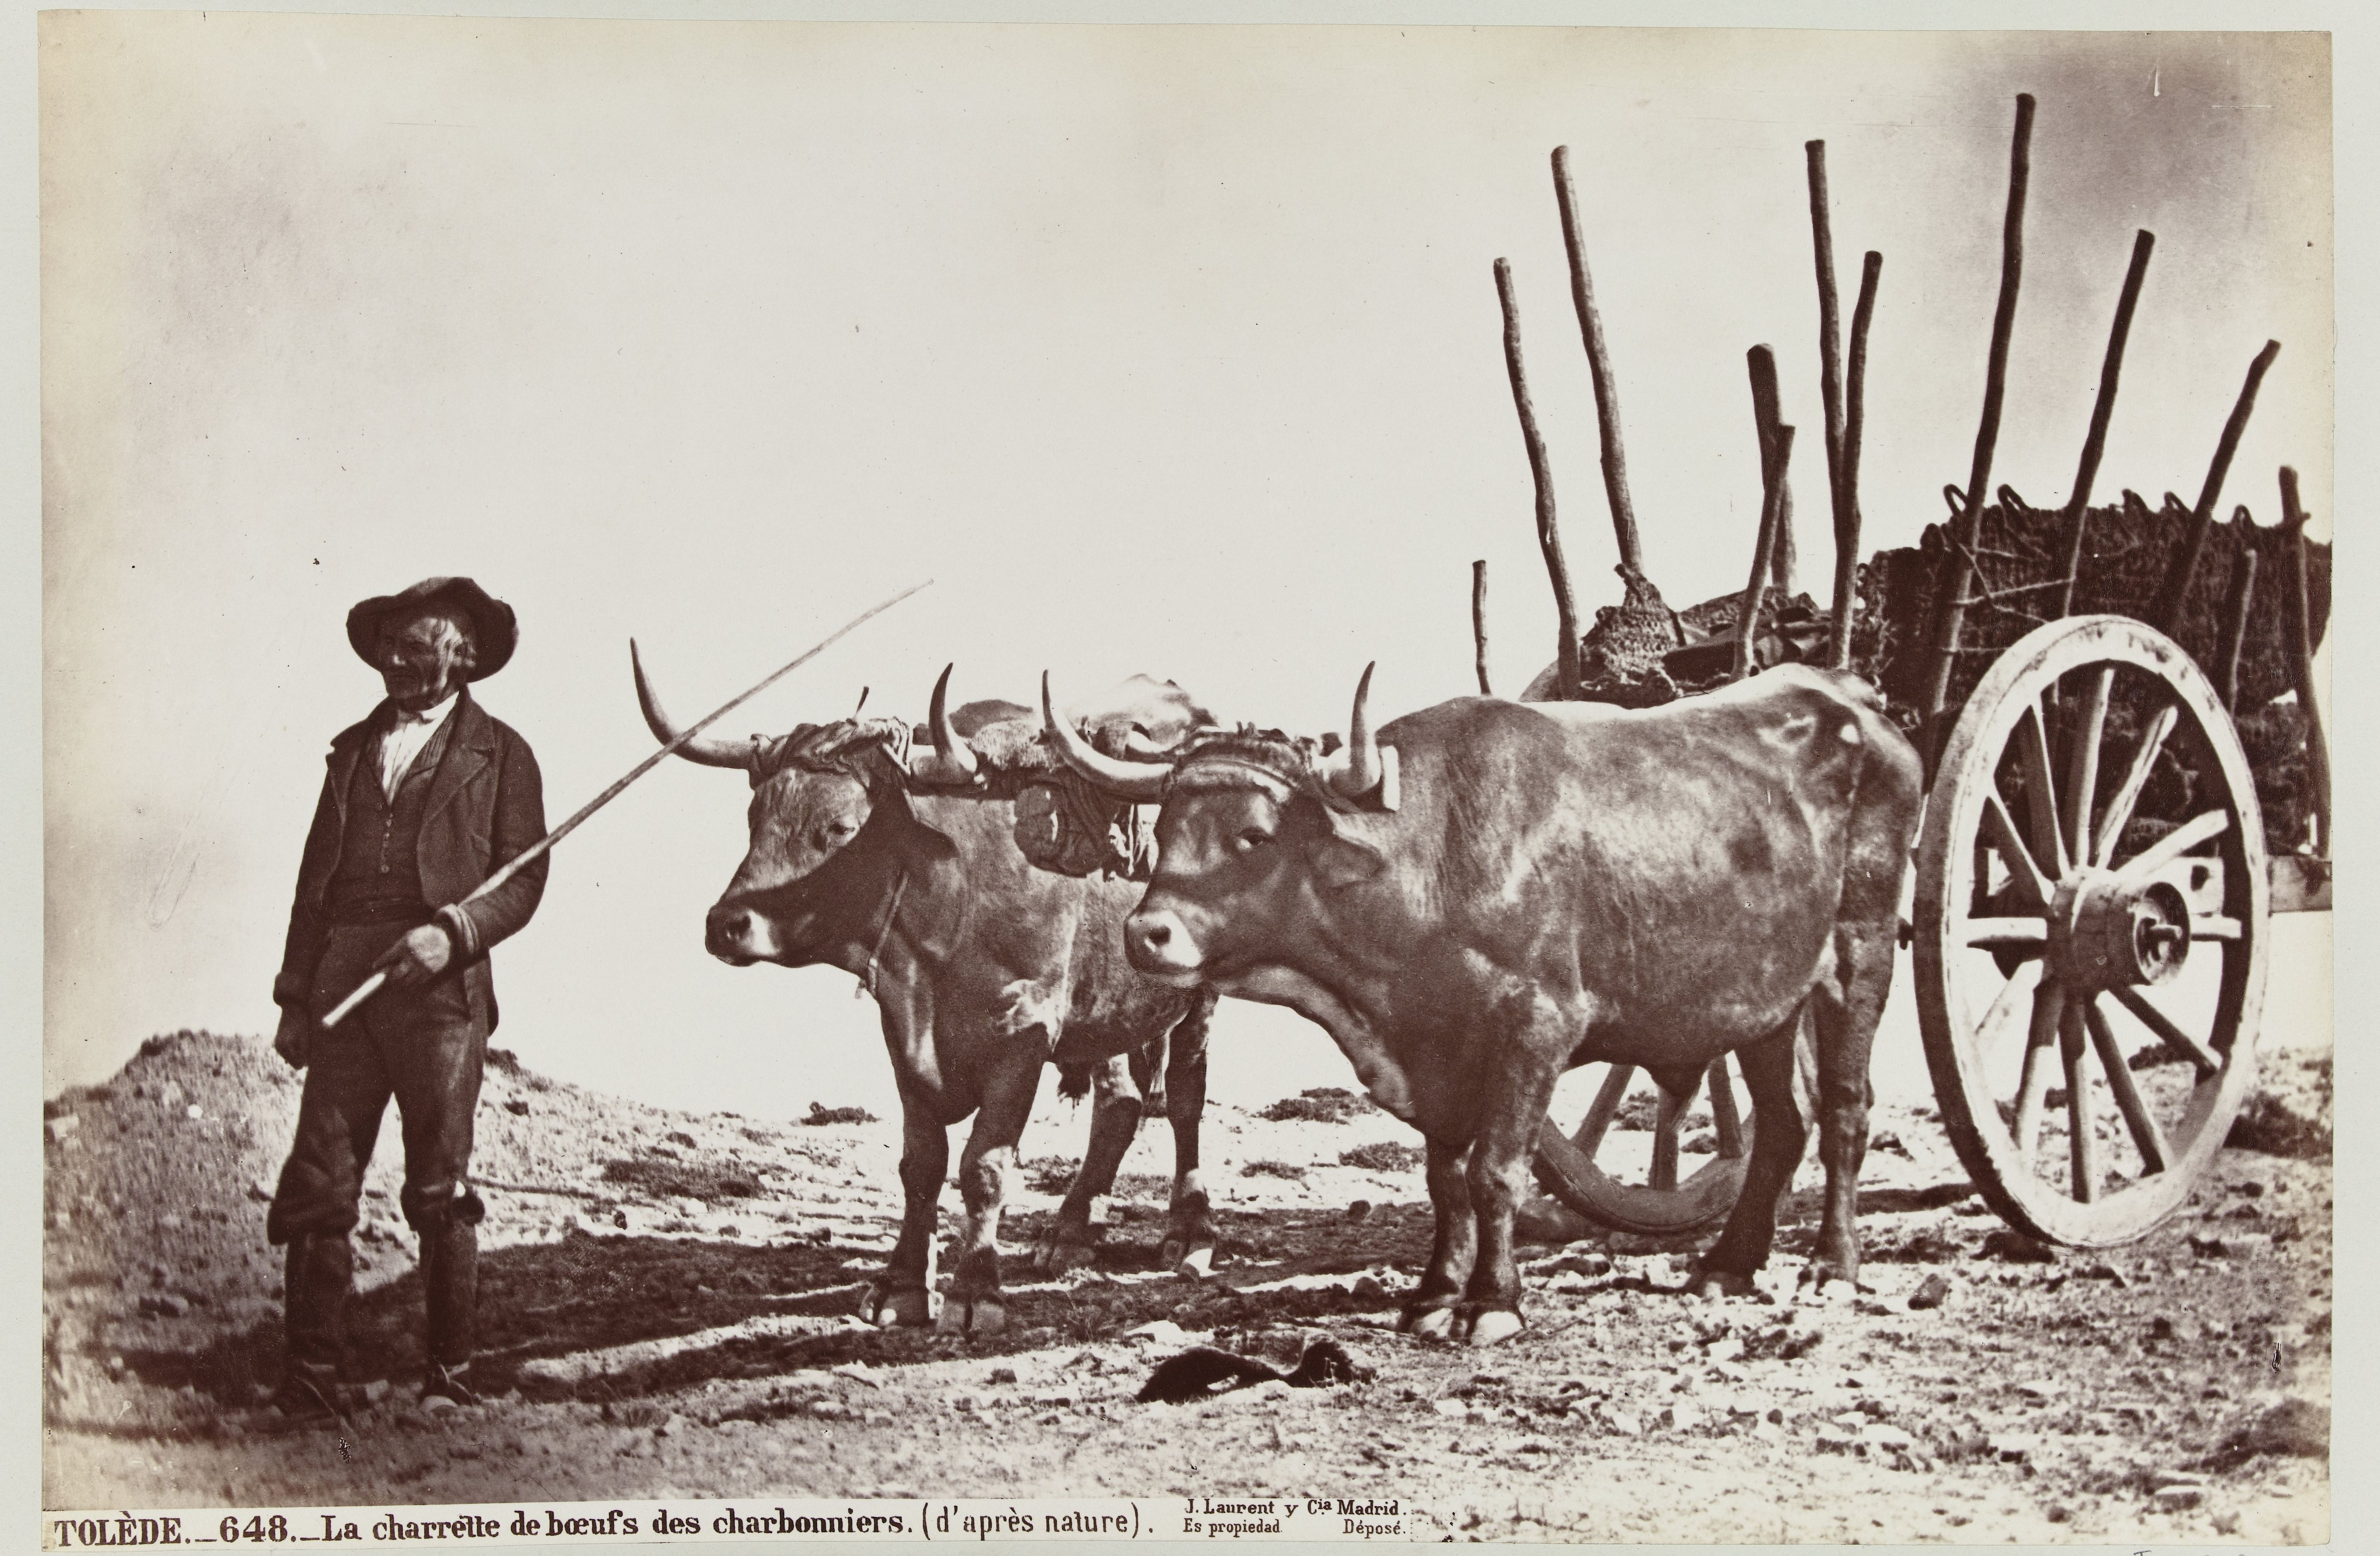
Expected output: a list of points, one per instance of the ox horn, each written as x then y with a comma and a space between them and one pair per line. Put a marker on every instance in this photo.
1125, 780
951, 761
1359, 772
702, 748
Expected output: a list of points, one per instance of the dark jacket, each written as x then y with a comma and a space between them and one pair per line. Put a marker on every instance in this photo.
486, 804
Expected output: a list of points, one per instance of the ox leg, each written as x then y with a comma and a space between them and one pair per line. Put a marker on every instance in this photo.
1846, 1019
1778, 1134
1189, 1222
1497, 1182
1429, 1311
905, 1296
974, 1305
1115, 1118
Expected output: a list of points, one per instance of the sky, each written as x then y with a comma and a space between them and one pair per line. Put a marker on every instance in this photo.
1172, 350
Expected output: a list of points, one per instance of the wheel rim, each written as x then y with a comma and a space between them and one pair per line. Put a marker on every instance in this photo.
1668, 1186
2092, 906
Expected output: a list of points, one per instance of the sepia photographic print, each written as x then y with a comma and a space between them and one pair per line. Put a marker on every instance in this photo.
912, 781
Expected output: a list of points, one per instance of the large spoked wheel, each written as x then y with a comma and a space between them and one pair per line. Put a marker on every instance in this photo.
1678, 1171
2092, 906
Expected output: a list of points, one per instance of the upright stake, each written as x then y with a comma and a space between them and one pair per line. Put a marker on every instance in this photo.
1548, 535
1607, 397
1479, 624
2297, 618
1747, 616
1847, 531
2078, 503
2235, 617
1831, 372
1959, 562
2175, 589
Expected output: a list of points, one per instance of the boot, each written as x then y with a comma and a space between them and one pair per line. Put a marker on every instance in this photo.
450, 1282
317, 1271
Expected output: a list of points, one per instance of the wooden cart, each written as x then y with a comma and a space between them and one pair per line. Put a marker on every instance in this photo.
2094, 882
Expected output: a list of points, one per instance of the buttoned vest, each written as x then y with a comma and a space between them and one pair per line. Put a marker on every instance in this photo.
379, 878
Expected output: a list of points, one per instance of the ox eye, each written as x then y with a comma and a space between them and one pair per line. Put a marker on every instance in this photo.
1250, 841
840, 832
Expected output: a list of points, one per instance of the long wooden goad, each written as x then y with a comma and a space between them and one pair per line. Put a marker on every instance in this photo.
537, 850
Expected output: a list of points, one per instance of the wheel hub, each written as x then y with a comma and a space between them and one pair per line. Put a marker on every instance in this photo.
2106, 933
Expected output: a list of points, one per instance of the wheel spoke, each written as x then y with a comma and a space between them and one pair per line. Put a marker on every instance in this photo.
2009, 934
2157, 1021
1589, 1139
1995, 1024
2082, 1141
2040, 792
1666, 1124
2048, 1002
2118, 813
2213, 926
2030, 883
2155, 1153
2082, 765
2174, 845
1725, 1121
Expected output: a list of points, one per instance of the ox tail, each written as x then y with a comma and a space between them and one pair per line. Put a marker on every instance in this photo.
1074, 1082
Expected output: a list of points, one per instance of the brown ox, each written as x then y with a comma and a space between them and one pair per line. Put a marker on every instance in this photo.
1489, 893
906, 871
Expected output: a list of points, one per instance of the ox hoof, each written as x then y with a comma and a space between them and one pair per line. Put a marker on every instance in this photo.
1192, 1261
982, 1315
912, 1308
1428, 1323
1489, 1327
1054, 1255
1721, 1282
1830, 1279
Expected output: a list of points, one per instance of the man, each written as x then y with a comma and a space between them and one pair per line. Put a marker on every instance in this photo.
425, 799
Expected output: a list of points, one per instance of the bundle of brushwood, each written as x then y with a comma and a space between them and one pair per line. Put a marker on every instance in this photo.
2127, 548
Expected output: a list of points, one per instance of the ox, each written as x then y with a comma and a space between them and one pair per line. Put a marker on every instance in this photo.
904, 868
1484, 894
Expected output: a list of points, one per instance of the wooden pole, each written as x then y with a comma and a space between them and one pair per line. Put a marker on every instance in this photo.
1848, 522
1958, 561
2175, 589
1831, 372
1779, 445
1541, 472
2078, 502
1607, 395
2297, 620
2235, 617
1479, 624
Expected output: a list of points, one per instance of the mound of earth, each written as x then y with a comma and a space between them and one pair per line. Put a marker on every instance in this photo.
669, 1306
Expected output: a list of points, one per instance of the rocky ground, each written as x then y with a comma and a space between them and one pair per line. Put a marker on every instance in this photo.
668, 1303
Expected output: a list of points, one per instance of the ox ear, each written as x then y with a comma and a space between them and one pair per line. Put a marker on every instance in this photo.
1342, 859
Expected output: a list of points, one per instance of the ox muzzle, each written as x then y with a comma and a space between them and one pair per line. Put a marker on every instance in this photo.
740, 936
1161, 945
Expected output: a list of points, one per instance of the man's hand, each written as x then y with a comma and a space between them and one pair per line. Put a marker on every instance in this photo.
294, 1040
421, 956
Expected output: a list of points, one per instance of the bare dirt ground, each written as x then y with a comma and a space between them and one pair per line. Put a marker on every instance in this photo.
667, 1301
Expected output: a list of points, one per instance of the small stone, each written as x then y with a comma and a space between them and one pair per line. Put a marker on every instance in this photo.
1929, 1293
1359, 1210
376, 1391
1682, 1416
2175, 1498
1884, 1434
1156, 1332
1003, 1375
436, 1404
60, 1128
517, 1106
260, 1191
194, 1112
164, 1305
2015, 1450
60, 1221
680, 1137
1454, 1409
171, 1094
170, 1222
1369, 1286
2037, 1391
2104, 1272
1626, 1423
2160, 1480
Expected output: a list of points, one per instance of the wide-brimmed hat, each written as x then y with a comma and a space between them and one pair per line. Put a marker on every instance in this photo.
494, 631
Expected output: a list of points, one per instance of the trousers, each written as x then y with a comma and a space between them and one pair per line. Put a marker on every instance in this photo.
422, 1047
